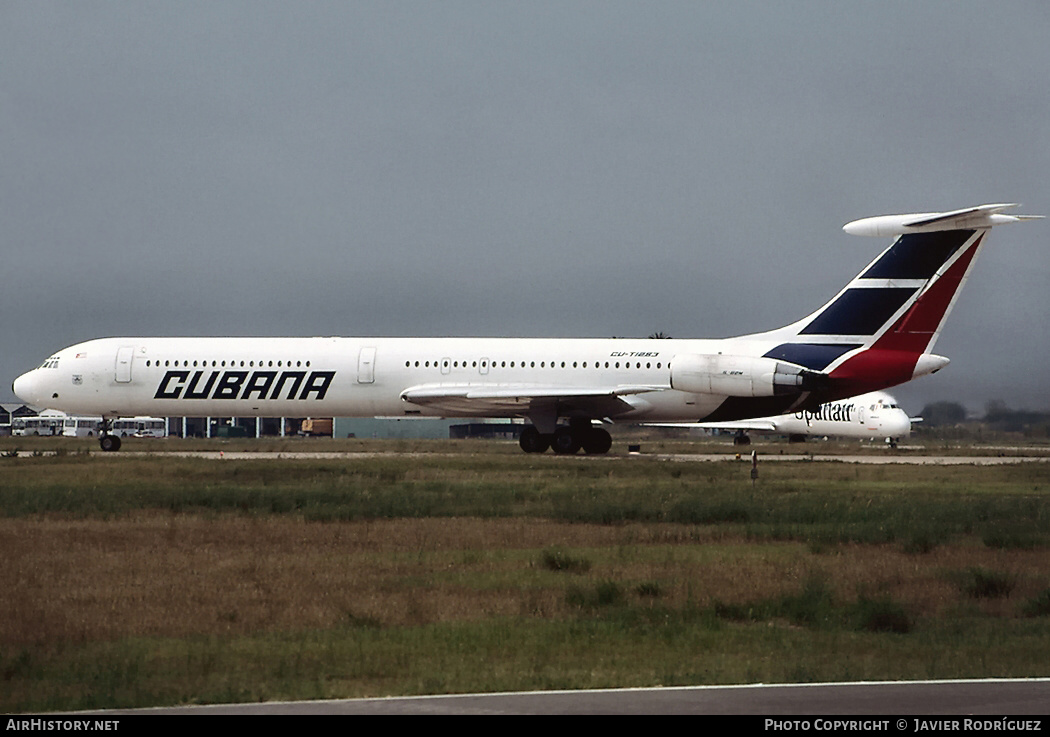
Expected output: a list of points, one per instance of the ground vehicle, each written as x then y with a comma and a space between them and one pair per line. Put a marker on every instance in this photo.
36, 426
56, 424
316, 426
139, 427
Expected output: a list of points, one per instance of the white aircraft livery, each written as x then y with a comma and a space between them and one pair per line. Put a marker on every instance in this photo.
873, 415
875, 333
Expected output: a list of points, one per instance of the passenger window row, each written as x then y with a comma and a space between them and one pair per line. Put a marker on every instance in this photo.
232, 364
447, 363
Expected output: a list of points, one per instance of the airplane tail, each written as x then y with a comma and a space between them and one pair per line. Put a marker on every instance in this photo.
879, 330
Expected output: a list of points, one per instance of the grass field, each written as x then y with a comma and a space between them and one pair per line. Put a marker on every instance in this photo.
143, 580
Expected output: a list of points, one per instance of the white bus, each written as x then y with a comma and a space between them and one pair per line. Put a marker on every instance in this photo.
139, 427
56, 424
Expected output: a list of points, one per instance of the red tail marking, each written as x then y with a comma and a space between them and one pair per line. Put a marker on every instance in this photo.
891, 359
914, 330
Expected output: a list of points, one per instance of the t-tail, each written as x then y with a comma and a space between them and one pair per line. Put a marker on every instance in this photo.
879, 331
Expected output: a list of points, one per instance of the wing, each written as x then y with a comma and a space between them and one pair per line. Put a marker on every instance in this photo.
752, 425
517, 399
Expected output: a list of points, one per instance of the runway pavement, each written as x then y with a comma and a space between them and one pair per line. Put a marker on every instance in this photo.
996, 699
909, 458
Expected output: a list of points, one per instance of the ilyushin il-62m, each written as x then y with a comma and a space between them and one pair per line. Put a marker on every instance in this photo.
877, 332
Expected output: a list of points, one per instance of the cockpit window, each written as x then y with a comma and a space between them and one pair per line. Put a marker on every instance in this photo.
50, 363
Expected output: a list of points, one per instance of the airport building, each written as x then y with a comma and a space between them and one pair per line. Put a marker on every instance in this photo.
11, 410
339, 427
409, 427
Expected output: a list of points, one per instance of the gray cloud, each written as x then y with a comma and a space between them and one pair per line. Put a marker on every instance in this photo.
557, 169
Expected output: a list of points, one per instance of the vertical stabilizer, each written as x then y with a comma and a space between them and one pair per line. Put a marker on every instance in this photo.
879, 330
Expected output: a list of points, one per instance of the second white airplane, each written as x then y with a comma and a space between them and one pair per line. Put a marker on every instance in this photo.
870, 416
877, 332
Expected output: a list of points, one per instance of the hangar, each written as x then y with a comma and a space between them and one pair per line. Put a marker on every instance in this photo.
9, 411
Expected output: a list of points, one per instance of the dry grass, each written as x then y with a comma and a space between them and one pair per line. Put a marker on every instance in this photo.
178, 575
146, 580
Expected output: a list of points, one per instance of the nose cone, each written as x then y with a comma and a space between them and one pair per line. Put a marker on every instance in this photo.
899, 425
24, 387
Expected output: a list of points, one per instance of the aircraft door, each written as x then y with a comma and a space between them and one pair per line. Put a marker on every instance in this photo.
483, 367
366, 365
125, 355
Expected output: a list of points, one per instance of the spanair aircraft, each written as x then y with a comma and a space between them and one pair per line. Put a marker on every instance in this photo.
871, 416
875, 333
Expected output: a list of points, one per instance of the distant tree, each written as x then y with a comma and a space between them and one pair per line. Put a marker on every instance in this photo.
1001, 417
995, 409
661, 335
943, 413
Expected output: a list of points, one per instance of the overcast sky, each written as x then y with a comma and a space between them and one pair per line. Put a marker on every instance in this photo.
514, 169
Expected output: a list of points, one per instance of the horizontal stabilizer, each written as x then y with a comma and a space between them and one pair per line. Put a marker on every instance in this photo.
970, 218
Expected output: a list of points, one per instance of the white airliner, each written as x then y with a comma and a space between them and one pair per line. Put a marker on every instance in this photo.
875, 333
875, 415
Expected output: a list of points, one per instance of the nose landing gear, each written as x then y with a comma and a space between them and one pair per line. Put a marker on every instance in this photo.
106, 440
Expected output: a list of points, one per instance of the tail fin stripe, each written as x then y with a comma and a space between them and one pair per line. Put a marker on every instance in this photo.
918, 256
915, 329
859, 311
815, 356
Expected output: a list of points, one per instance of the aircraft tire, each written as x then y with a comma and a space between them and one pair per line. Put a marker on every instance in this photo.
596, 441
532, 441
109, 443
565, 441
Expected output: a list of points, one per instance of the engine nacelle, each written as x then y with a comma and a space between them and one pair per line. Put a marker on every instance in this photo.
738, 376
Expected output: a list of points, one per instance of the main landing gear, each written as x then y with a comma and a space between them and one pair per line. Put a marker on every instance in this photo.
567, 439
107, 441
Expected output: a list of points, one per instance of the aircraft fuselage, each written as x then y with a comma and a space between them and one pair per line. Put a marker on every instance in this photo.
348, 377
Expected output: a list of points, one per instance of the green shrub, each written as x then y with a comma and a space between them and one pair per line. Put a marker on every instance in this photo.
881, 614
1038, 605
555, 559
649, 590
981, 583
602, 594
813, 606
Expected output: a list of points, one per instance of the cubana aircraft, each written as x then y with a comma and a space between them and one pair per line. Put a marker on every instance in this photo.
872, 416
877, 332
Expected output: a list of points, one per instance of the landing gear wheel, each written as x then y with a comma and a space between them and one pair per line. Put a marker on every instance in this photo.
596, 441
532, 441
565, 441
109, 443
